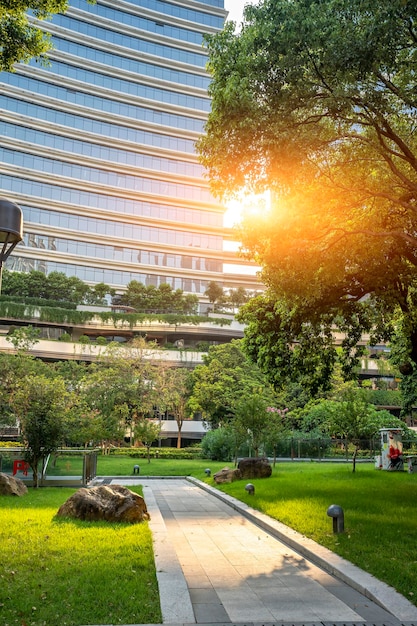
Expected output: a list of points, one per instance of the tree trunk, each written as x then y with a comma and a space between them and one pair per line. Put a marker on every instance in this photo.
354, 459
34, 467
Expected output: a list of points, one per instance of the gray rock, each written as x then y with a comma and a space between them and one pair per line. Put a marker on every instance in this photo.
257, 467
113, 503
11, 486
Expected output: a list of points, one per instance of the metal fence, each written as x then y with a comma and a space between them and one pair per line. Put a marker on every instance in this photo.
326, 448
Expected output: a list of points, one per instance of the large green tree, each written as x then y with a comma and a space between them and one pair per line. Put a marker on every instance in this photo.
315, 100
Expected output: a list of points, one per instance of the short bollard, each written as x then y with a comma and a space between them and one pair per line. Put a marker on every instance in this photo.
336, 512
136, 469
207, 472
250, 489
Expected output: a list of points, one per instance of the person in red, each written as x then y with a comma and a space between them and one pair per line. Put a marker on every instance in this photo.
394, 452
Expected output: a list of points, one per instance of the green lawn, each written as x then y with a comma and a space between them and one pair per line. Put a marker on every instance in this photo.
123, 466
57, 572
70, 573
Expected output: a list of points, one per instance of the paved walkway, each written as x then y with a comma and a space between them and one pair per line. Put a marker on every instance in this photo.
220, 562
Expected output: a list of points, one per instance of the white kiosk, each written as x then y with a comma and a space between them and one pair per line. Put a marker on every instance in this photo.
391, 449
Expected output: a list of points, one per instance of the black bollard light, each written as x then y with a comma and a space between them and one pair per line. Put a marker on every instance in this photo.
250, 489
136, 469
207, 472
336, 512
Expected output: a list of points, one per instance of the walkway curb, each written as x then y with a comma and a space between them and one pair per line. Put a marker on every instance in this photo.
174, 595
379, 592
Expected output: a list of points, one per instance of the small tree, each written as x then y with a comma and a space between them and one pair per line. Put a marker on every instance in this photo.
252, 418
214, 292
179, 392
147, 431
351, 417
41, 405
276, 428
23, 338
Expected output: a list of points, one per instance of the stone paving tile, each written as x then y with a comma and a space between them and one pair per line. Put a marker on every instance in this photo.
238, 573
198, 582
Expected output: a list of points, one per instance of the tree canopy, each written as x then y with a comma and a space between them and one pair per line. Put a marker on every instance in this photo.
158, 299
219, 384
55, 286
316, 101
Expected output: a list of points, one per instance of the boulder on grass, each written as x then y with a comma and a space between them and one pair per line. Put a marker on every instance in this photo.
257, 467
226, 475
112, 503
11, 486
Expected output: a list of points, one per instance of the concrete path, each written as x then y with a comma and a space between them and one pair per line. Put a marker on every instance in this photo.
220, 562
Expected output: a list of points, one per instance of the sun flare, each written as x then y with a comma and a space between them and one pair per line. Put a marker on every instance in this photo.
246, 205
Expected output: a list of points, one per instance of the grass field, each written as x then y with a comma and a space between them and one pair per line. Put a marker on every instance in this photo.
64, 572
123, 466
57, 572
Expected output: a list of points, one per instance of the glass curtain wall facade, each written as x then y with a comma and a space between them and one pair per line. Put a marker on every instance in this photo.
98, 148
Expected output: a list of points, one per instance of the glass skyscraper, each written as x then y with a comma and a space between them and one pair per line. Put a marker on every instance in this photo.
98, 148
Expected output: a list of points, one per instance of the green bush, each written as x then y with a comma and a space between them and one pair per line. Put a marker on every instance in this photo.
203, 346
84, 339
218, 445
101, 341
65, 337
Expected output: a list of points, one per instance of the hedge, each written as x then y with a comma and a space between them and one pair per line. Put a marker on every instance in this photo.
191, 452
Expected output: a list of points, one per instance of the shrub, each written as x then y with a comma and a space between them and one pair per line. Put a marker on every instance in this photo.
218, 445
65, 337
84, 339
101, 341
192, 452
203, 346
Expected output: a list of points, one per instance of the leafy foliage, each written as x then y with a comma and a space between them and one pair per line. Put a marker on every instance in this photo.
162, 299
251, 420
41, 404
219, 384
316, 102
23, 338
20, 39
56, 286
14, 369
219, 444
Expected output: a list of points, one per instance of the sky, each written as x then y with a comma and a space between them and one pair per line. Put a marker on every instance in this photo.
235, 8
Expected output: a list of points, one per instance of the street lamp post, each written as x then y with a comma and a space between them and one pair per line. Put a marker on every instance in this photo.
11, 230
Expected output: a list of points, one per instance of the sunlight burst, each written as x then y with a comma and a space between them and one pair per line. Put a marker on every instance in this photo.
246, 205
